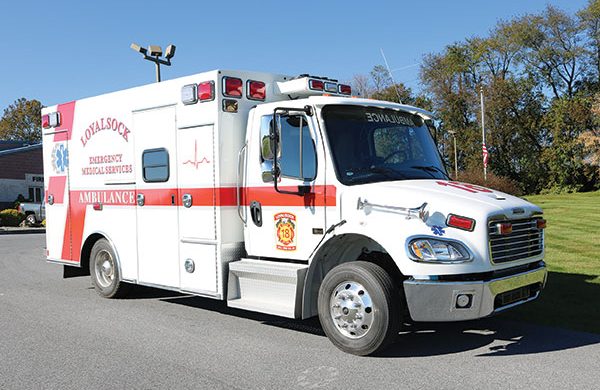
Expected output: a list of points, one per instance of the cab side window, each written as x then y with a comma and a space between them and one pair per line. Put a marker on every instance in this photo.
297, 156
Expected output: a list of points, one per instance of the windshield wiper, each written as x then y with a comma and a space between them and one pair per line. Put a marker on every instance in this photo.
387, 172
431, 168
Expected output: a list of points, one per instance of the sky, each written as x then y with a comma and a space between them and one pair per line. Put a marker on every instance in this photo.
58, 51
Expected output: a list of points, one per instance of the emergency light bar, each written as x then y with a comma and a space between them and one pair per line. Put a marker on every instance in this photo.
309, 85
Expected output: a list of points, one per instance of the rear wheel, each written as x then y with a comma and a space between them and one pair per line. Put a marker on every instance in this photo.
358, 308
105, 271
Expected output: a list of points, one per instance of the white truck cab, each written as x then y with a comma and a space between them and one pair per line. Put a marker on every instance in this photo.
283, 195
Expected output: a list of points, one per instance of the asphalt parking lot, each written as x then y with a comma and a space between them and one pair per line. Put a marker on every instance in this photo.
58, 334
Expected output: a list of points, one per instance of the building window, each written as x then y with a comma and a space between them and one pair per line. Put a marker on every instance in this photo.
155, 165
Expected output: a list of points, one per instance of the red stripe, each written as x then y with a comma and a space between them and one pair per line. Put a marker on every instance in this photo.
225, 196
56, 188
67, 113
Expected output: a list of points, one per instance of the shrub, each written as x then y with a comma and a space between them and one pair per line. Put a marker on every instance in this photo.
11, 217
500, 183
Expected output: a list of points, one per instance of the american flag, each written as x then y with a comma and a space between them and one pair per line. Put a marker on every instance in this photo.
485, 156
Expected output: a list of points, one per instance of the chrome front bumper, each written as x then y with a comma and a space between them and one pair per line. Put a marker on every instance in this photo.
437, 300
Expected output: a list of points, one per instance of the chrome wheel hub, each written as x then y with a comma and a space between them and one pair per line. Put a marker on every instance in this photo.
104, 267
351, 309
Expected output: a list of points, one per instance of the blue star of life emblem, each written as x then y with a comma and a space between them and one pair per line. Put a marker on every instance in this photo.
60, 158
438, 230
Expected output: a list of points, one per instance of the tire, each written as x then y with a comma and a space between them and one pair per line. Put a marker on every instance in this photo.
104, 271
358, 308
30, 219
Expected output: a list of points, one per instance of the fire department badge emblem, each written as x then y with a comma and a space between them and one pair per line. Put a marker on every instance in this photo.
285, 231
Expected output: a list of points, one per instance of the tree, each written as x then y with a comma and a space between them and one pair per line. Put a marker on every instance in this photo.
552, 49
22, 121
590, 20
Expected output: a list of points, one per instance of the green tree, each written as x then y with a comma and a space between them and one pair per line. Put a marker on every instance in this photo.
590, 20
22, 121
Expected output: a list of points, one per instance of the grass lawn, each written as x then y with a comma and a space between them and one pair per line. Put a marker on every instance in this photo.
572, 295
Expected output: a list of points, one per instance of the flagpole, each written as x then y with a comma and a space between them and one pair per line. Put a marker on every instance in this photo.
483, 147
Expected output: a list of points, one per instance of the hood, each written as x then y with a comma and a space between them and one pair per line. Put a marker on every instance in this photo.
443, 197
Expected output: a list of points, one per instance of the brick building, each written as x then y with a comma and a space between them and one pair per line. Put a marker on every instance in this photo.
21, 172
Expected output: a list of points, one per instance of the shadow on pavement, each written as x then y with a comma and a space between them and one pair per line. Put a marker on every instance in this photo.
500, 336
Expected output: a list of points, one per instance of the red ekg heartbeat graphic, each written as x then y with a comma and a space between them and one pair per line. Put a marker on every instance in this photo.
195, 162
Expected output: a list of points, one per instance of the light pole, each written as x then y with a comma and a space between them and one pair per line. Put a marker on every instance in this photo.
453, 133
153, 53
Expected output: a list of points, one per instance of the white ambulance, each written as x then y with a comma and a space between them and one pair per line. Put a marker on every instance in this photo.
282, 195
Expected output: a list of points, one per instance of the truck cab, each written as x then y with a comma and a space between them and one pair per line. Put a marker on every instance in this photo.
364, 183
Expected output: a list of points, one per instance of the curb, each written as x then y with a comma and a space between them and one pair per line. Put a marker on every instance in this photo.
6, 231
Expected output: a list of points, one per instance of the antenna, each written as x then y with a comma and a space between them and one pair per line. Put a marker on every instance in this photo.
392, 77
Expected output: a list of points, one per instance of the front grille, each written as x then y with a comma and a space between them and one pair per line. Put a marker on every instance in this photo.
525, 241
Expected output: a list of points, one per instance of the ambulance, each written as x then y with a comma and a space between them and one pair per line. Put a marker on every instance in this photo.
282, 195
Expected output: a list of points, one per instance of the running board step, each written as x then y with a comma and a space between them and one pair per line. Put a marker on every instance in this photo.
266, 286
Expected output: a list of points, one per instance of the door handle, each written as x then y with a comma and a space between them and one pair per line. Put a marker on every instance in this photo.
50, 199
187, 200
140, 199
256, 213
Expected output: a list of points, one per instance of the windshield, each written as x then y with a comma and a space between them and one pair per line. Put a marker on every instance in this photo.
372, 144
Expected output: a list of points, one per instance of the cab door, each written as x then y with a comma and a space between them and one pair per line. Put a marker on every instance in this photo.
286, 222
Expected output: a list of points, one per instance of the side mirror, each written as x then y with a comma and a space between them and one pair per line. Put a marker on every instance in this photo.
266, 148
267, 176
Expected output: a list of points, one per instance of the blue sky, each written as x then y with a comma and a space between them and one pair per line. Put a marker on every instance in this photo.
64, 50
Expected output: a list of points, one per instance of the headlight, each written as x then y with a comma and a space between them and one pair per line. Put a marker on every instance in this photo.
432, 250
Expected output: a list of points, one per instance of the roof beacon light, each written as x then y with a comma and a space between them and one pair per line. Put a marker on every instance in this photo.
316, 85
331, 87
459, 222
188, 94
232, 87
345, 89
206, 91
46, 121
51, 120
256, 90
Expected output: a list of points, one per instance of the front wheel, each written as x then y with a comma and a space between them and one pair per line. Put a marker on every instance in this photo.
30, 219
104, 271
358, 308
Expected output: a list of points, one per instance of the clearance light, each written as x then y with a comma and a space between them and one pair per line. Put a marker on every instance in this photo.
459, 222
188, 94
206, 91
316, 85
256, 90
345, 89
232, 87
97, 206
331, 87
541, 224
504, 228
